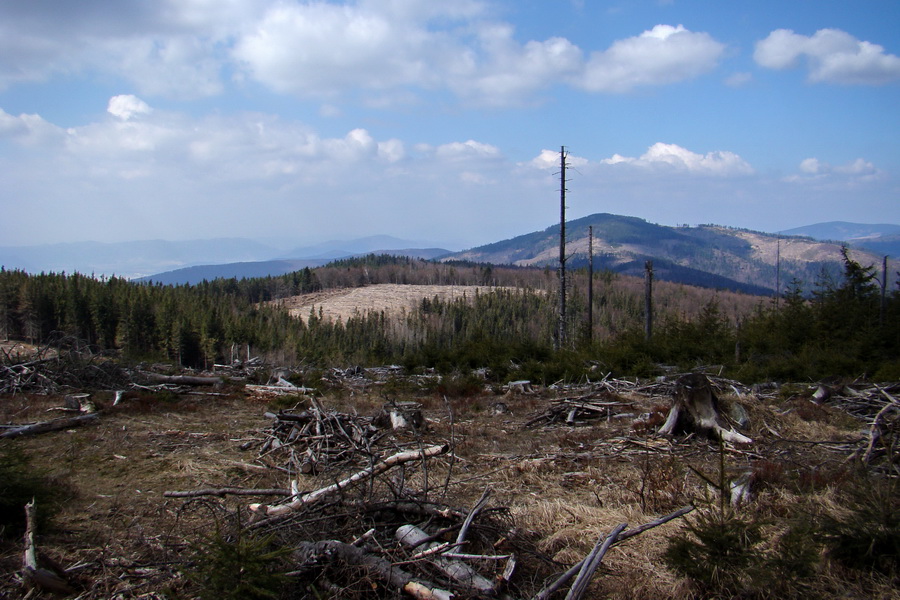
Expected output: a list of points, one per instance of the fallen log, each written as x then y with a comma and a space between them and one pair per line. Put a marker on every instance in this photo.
592, 562
376, 469
182, 379
412, 537
47, 426
310, 553
222, 492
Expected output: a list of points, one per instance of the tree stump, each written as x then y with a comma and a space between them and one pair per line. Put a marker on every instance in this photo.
696, 409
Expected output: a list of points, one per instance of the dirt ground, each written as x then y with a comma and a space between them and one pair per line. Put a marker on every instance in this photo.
564, 486
389, 297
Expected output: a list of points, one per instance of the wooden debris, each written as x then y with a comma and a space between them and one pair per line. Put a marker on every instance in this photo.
182, 379
47, 426
378, 468
51, 578
225, 491
314, 553
695, 409
310, 440
578, 409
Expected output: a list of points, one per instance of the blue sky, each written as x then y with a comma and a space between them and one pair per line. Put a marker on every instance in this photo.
298, 122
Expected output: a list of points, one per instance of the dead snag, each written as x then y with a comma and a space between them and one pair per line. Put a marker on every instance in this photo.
695, 408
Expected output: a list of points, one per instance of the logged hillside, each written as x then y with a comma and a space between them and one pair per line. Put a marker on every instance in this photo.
708, 255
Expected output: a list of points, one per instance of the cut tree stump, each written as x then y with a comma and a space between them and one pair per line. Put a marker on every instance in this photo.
695, 409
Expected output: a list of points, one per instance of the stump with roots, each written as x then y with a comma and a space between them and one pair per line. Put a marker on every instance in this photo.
696, 409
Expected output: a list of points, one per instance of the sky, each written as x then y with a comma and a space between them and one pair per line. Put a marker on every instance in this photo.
296, 122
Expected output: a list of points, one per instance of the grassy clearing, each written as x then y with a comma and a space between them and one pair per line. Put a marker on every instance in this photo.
564, 486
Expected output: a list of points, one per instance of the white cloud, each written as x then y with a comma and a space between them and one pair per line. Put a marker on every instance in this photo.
832, 55
28, 129
720, 163
810, 165
549, 160
466, 150
126, 106
855, 171
662, 55
390, 50
321, 49
500, 71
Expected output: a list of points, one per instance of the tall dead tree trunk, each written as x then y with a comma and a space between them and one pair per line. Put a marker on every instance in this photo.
648, 300
590, 302
561, 317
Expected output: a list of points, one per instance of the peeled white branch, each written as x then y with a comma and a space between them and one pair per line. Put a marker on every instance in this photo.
374, 470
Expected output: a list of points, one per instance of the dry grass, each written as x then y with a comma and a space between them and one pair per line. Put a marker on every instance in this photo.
391, 298
564, 486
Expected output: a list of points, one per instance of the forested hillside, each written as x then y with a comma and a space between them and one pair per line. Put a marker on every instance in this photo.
705, 255
847, 328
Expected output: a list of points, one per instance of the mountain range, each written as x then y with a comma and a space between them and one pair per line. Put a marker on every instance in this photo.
707, 255
194, 260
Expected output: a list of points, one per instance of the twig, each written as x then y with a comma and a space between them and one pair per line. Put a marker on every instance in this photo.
591, 562
574, 569
222, 492
485, 495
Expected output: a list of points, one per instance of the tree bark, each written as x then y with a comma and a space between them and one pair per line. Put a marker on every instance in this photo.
377, 469
310, 552
695, 408
47, 426
33, 573
183, 379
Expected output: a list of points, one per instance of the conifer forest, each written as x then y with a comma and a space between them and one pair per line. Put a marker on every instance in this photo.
216, 441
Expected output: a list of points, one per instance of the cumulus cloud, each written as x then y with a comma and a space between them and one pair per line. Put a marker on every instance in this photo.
721, 163
662, 55
392, 50
466, 150
28, 129
815, 170
126, 106
549, 160
321, 49
832, 56
499, 70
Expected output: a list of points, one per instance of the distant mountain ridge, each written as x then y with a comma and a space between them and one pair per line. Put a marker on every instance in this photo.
143, 259
843, 231
881, 238
130, 259
708, 255
273, 268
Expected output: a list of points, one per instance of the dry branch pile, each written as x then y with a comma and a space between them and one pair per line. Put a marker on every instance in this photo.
311, 440
579, 409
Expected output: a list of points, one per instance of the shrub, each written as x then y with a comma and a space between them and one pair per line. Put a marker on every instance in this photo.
20, 481
867, 535
718, 550
245, 567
